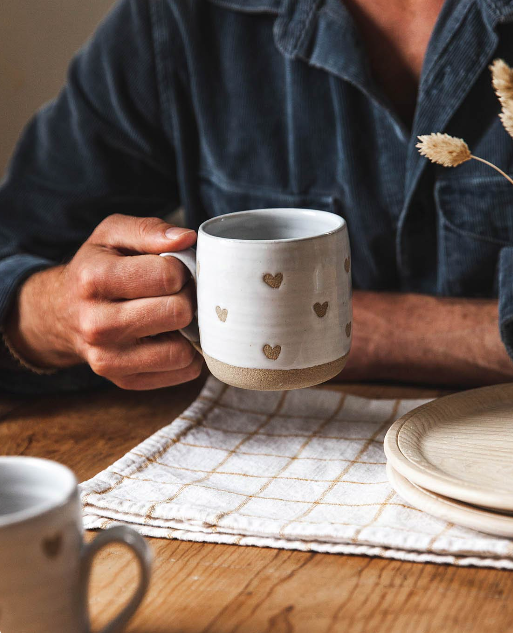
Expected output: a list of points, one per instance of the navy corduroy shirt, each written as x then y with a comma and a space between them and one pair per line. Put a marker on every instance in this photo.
223, 105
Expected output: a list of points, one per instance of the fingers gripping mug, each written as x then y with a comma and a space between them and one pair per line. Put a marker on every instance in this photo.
44, 563
274, 297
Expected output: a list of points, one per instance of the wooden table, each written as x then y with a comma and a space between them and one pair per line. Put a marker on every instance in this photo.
231, 589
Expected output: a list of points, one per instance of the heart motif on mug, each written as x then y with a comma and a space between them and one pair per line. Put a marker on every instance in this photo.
221, 313
272, 353
347, 264
320, 309
348, 329
52, 545
273, 280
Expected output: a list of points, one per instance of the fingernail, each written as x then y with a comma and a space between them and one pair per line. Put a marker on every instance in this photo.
175, 232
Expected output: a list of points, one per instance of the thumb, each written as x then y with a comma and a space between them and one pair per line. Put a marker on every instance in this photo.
142, 235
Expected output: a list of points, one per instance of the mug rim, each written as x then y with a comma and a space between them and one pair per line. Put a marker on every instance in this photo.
341, 224
69, 488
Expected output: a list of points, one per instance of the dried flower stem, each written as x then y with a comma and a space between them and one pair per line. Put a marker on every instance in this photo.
450, 151
482, 160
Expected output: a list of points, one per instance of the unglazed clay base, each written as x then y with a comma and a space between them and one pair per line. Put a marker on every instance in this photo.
274, 379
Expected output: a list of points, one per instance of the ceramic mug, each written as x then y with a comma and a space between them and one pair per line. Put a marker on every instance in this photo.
274, 297
44, 563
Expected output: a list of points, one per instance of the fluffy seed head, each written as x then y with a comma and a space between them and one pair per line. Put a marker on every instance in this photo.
443, 149
506, 116
502, 80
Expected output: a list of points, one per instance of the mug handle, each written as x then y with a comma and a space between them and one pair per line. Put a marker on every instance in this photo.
131, 538
188, 259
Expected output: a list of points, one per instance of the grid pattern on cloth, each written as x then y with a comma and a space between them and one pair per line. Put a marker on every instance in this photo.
297, 470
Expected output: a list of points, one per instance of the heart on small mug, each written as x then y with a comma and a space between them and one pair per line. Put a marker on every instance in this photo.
320, 309
222, 313
52, 545
272, 353
273, 280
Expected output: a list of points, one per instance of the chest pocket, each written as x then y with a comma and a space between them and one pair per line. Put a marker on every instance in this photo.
475, 221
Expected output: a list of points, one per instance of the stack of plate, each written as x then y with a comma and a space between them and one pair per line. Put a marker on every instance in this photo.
453, 458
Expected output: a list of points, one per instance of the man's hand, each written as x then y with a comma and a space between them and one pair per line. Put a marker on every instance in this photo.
422, 339
116, 306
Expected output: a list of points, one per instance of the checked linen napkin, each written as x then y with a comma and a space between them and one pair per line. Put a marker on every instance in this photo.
295, 469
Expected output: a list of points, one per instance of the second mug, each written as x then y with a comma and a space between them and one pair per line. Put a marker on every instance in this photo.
274, 297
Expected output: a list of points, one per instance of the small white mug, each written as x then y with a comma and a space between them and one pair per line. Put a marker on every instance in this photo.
44, 563
274, 297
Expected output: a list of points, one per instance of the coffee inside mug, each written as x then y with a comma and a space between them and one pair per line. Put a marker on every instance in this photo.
31, 487
272, 225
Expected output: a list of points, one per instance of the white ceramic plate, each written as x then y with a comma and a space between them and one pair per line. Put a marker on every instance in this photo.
459, 446
450, 510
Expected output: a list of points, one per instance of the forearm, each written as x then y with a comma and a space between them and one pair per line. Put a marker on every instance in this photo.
423, 339
34, 327
19, 330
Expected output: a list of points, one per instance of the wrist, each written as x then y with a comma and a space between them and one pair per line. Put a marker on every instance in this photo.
34, 331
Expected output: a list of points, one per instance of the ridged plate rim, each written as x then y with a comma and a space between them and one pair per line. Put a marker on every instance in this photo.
448, 509
437, 481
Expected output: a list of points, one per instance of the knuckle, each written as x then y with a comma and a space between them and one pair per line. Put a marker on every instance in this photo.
99, 362
110, 220
93, 331
126, 382
108, 223
87, 281
92, 277
146, 226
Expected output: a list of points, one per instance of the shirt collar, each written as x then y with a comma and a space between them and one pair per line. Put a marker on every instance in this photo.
322, 33
500, 10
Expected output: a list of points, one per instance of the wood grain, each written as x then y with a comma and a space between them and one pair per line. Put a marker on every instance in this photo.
216, 588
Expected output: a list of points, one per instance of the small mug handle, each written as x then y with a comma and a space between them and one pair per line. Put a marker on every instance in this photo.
131, 538
188, 259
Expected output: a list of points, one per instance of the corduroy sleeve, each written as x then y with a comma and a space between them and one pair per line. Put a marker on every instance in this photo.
98, 149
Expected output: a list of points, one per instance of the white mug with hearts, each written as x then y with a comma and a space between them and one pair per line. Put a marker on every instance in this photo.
44, 562
274, 297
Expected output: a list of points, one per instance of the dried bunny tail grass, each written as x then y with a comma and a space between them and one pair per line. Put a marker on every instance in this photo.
450, 151
502, 81
506, 116
443, 149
